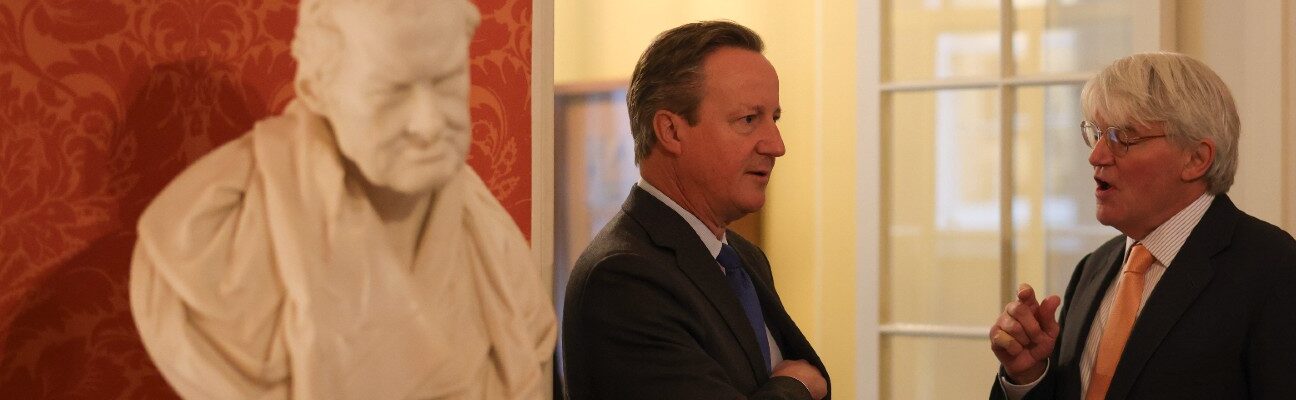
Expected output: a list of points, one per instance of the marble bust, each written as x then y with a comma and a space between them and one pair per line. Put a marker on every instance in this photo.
343, 249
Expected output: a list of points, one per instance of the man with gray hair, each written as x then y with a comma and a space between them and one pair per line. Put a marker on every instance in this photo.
343, 249
1194, 300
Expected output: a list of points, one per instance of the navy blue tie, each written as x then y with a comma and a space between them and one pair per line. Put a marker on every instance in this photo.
742, 286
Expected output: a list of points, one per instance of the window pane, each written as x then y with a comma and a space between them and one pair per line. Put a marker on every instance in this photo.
1060, 36
932, 39
1053, 206
919, 368
942, 207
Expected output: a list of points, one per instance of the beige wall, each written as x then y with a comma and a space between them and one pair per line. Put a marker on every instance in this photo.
1250, 44
809, 236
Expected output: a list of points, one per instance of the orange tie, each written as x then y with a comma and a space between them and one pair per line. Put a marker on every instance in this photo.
1129, 296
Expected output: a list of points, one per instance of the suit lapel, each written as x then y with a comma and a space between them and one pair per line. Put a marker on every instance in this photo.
1099, 272
770, 304
668, 229
776, 318
1175, 293
791, 342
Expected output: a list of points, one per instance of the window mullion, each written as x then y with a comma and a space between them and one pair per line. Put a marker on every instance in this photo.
1007, 105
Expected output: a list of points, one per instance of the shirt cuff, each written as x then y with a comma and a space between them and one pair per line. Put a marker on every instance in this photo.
1017, 392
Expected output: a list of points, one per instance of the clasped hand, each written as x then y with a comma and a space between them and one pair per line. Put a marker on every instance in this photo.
807, 374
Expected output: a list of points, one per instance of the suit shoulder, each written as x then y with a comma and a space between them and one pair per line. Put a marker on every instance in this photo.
622, 249
621, 235
616, 273
1266, 248
1255, 229
614, 258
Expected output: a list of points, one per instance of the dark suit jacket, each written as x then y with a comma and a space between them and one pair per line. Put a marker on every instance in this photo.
1221, 323
649, 315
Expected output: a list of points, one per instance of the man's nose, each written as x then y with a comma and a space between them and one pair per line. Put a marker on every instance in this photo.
1101, 153
772, 144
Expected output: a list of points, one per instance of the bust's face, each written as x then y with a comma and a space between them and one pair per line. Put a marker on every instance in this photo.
398, 101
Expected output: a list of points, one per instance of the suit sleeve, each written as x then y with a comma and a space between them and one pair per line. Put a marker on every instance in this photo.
629, 337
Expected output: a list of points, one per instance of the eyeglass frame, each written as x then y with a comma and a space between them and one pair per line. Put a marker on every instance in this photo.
1091, 139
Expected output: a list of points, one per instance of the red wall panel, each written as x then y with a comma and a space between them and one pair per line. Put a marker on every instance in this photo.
103, 102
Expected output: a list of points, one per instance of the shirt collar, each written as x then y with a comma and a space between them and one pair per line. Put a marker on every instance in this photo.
704, 233
1166, 240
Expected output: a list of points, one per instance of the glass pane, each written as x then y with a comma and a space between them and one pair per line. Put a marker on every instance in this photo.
919, 368
1059, 36
933, 39
942, 207
1053, 206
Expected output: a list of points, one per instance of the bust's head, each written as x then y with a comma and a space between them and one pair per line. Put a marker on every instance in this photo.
391, 78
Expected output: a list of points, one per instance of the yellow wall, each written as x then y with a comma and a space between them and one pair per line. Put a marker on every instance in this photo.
809, 230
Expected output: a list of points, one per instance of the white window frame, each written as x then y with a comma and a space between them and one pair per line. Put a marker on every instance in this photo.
1156, 32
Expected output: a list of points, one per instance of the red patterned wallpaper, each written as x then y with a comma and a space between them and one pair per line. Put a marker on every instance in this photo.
103, 102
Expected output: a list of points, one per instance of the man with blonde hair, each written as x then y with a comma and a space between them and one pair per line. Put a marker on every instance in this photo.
1194, 300
343, 249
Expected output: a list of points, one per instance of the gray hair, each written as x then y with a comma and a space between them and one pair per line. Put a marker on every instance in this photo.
318, 38
1192, 101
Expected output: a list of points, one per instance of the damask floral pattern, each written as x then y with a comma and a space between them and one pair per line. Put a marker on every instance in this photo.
500, 102
102, 102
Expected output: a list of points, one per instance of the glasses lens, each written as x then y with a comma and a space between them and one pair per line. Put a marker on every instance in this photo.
1090, 133
1115, 143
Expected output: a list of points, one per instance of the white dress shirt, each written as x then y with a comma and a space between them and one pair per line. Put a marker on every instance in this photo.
1164, 243
713, 245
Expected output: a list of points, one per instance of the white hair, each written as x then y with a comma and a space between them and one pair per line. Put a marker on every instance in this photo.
1171, 88
318, 38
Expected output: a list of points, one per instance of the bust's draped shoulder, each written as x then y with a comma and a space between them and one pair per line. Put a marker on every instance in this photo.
513, 291
262, 272
201, 289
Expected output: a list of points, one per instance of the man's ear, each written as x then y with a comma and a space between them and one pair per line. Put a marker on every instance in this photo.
1200, 158
667, 126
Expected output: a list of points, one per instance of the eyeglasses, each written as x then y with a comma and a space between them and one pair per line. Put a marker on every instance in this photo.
1116, 142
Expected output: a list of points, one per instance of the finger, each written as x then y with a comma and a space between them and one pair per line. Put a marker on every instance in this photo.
1004, 341
1011, 326
1046, 315
1025, 315
1026, 295
1005, 357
